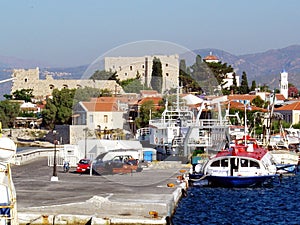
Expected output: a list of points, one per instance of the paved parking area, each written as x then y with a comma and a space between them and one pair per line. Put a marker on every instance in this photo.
131, 195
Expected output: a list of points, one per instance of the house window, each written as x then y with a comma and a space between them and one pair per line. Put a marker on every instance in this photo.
91, 119
105, 118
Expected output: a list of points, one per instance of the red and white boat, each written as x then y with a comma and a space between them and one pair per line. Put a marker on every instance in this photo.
244, 164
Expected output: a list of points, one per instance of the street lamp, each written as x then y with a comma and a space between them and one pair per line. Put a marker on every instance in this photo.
99, 130
85, 141
54, 176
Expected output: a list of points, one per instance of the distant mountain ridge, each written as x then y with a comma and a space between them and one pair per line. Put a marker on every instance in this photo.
263, 67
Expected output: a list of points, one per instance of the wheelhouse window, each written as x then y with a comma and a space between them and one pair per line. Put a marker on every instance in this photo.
244, 162
224, 163
254, 164
216, 163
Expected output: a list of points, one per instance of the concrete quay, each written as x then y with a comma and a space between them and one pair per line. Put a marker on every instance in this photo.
147, 197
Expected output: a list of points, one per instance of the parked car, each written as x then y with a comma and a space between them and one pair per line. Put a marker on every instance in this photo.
83, 166
119, 164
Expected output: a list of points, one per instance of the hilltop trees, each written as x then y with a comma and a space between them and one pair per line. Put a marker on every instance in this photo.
105, 75
186, 81
23, 94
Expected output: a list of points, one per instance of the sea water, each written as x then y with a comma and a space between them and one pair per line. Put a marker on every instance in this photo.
278, 203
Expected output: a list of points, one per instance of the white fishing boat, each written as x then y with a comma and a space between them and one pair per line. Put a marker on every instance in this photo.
182, 130
8, 203
286, 160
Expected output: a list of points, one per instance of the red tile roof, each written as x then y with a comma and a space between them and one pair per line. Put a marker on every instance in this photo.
154, 99
280, 97
241, 97
241, 106
211, 57
289, 107
102, 104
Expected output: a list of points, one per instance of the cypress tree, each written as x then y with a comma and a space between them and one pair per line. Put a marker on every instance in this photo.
156, 76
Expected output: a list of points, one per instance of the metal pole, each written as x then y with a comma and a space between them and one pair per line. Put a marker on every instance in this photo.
85, 142
54, 176
54, 163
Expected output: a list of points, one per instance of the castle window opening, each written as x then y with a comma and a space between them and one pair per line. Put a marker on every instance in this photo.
51, 86
26, 80
65, 86
167, 74
130, 67
167, 64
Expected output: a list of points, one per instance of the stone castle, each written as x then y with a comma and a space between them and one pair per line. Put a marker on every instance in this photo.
126, 68
29, 79
130, 67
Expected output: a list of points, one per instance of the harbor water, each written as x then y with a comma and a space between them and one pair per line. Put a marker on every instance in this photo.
279, 203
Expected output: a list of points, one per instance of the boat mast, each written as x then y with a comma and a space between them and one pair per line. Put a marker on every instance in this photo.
269, 119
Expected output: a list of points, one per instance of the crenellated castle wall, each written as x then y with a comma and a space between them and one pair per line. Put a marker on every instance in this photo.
29, 79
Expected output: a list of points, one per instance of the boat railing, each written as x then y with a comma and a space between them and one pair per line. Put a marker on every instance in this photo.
208, 123
200, 142
24, 156
169, 123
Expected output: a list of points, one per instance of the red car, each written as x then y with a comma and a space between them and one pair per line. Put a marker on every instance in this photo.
83, 166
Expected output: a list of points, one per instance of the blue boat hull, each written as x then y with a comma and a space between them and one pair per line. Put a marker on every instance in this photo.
238, 181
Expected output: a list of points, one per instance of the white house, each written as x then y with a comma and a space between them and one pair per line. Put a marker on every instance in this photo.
100, 113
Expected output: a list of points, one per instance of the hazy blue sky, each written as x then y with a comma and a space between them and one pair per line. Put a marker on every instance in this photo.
70, 32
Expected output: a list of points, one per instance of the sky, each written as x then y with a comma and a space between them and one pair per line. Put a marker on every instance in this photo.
76, 32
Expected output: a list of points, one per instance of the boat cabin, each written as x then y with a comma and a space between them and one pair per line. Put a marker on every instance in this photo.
234, 166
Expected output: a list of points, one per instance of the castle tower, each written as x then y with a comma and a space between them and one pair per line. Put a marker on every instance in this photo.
284, 84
